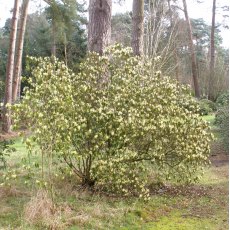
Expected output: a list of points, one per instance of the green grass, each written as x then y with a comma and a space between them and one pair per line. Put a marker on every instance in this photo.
211, 120
201, 206
215, 129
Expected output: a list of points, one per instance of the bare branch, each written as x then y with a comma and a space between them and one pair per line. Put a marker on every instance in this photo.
179, 8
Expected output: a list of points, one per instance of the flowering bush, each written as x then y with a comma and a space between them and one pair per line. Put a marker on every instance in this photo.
223, 100
114, 121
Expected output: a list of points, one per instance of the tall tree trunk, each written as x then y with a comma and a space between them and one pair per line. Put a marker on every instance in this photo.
138, 26
99, 28
9, 71
176, 58
19, 50
211, 95
192, 51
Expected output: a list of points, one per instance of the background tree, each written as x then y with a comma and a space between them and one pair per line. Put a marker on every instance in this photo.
161, 35
122, 28
202, 40
68, 38
137, 26
38, 39
59, 15
99, 27
192, 51
19, 50
163, 28
4, 45
212, 53
173, 25
10, 68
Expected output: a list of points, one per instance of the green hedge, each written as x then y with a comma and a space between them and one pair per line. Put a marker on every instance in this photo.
222, 120
206, 107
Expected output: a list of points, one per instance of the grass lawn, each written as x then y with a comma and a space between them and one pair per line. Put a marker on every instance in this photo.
210, 118
200, 206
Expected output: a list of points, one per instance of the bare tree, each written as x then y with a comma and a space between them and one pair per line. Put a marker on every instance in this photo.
161, 36
9, 71
99, 27
138, 26
212, 53
192, 51
176, 58
19, 50
155, 28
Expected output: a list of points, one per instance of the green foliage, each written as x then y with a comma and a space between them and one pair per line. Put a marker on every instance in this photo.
222, 117
122, 28
223, 100
70, 35
206, 107
202, 33
68, 24
1, 91
5, 150
114, 120
4, 43
222, 120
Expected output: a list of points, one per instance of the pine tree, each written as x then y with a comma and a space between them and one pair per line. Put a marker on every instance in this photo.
19, 50
138, 26
6, 126
99, 27
212, 53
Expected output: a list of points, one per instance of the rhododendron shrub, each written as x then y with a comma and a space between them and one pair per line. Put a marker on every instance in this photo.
115, 121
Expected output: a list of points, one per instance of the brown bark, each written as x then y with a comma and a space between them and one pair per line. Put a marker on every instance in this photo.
192, 51
19, 50
138, 26
99, 28
212, 54
9, 69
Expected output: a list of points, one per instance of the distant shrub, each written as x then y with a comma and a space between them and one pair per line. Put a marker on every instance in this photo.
114, 120
221, 115
222, 120
223, 100
206, 107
